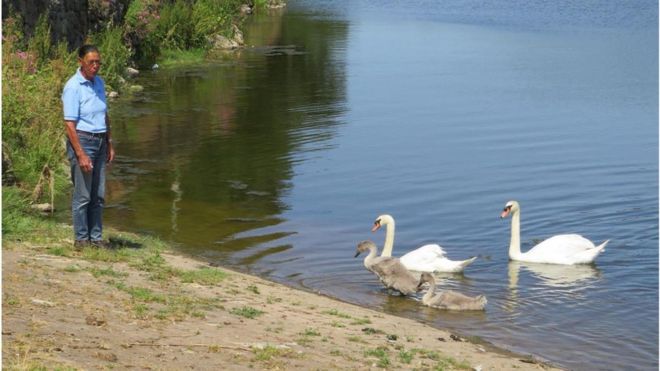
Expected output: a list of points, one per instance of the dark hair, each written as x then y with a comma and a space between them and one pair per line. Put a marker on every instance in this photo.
87, 48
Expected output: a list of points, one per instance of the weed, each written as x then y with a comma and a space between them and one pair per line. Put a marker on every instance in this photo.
361, 321
145, 295
273, 299
381, 353
253, 288
140, 310
406, 356
335, 312
73, 268
203, 276
105, 255
247, 312
337, 324
58, 251
268, 352
356, 339
448, 363
310, 332
98, 272
10, 300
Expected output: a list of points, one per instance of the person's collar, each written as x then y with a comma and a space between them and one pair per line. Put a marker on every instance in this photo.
82, 79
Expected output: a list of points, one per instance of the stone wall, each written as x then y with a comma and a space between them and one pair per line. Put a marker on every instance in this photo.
70, 20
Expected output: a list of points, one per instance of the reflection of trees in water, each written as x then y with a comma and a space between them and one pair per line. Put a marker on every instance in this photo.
225, 135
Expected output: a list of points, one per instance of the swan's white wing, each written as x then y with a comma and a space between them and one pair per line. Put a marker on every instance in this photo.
561, 249
424, 259
426, 253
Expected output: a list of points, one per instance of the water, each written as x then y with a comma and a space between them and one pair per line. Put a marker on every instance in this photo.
277, 162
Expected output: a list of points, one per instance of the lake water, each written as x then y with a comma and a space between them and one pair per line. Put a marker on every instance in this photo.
276, 160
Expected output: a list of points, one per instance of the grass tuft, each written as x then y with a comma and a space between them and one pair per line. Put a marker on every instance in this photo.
247, 312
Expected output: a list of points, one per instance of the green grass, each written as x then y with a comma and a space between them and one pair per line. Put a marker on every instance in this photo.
406, 356
335, 312
381, 353
98, 272
361, 321
247, 312
356, 339
269, 352
176, 58
203, 276
72, 268
145, 295
58, 251
337, 324
310, 332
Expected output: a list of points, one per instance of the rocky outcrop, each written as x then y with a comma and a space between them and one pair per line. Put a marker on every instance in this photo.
70, 20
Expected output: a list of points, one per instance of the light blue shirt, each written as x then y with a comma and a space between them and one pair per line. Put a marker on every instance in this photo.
84, 103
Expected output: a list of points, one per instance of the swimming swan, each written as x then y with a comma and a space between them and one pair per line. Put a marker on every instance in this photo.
450, 300
428, 258
561, 249
389, 270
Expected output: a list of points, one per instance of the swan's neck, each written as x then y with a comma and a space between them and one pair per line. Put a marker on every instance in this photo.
514, 246
389, 239
372, 255
429, 293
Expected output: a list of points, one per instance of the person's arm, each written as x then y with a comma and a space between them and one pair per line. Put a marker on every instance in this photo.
108, 137
83, 160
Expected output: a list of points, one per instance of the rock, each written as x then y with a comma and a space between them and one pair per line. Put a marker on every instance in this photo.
113, 94
238, 35
275, 4
110, 357
455, 338
136, 88
132, 72
93, 321
246, 8
221, 42
46, 208
44, 303
8, 177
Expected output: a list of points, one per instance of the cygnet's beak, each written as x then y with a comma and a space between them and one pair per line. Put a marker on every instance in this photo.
357, 253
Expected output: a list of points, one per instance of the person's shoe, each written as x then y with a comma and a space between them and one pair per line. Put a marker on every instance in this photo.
101, 244
80, 244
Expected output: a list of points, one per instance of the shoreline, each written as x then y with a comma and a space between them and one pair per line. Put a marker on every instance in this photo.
154, 307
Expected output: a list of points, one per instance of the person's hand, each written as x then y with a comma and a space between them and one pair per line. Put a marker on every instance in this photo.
111, 152
85, 163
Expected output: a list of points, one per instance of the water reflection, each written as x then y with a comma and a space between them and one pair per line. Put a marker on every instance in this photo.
221, 139
554, 275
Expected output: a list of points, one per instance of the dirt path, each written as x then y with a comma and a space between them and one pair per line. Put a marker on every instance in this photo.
93, 311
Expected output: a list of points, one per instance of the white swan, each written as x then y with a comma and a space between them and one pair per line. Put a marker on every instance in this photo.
428, 258
561, 249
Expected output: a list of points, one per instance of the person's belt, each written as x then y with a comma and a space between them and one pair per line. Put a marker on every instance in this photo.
90, 135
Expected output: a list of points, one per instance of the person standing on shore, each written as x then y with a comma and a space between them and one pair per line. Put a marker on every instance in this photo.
89, 146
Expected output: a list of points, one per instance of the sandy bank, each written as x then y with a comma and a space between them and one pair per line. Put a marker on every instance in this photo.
158, 310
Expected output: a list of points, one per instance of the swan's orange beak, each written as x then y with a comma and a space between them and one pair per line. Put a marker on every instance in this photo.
376, 226
505, 213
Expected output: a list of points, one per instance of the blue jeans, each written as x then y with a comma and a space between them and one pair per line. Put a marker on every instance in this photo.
88, 188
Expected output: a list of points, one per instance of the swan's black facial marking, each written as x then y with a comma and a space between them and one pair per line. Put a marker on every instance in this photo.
507, 208
377, 223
